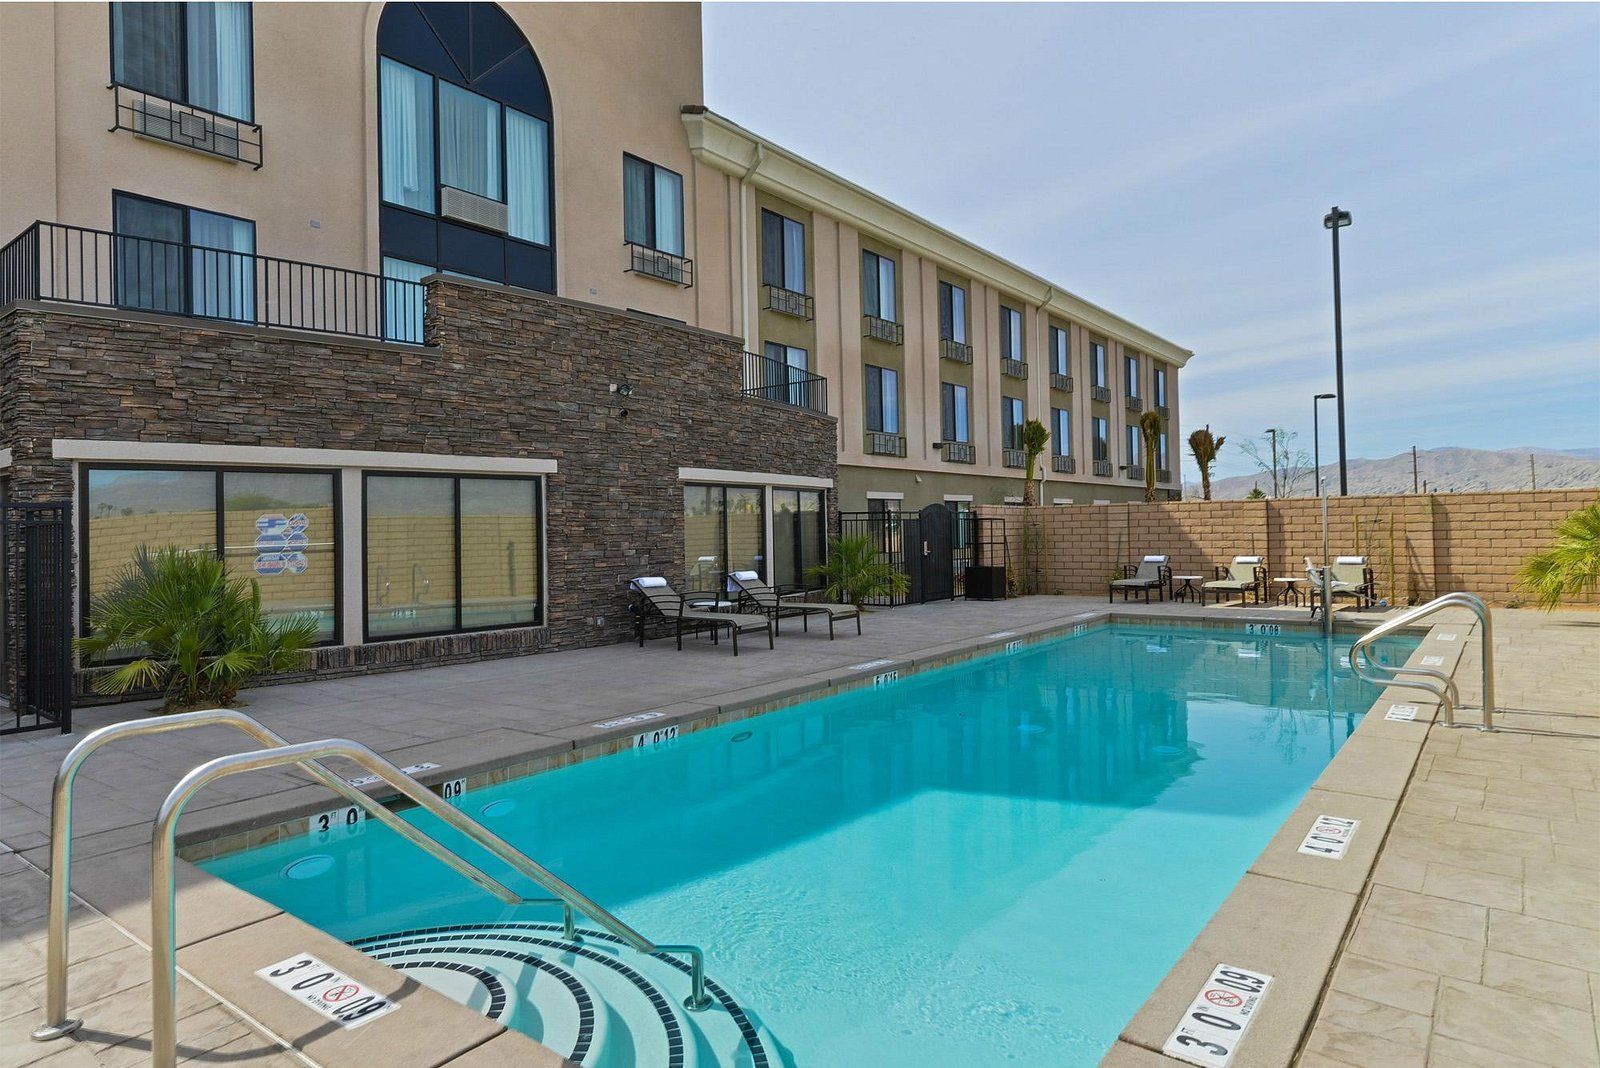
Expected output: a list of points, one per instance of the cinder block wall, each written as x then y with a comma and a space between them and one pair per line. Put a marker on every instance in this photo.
1417, 545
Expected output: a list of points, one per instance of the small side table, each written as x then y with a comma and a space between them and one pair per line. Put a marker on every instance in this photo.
1187, 591
1291, 590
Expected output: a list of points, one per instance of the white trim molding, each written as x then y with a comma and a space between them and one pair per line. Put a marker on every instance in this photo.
752, 478
958, 498
884, 495
167, 452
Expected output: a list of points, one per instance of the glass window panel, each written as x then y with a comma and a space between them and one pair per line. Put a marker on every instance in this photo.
798, 362
669, 211
406, 130
155, 509
1132, 434
411, 555
499, 552
636, 200
1130, 366
874, 398
794, 256
813, 534
222, 272
772, 249
1161, 386
469, 141
891, 401
958, 308
1059, 351
220, 57
147, 47
527, 177
747, 529
886, 301
703, 537
785, 538
278, 528
402, 303
150, 255
869, 283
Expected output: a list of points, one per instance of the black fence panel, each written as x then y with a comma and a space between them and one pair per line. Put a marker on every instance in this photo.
931, 548
36, 617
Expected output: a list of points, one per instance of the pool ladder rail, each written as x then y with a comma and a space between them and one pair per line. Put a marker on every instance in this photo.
277, 752
1431, 680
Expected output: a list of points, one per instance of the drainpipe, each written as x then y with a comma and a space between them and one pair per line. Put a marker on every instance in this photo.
744, 247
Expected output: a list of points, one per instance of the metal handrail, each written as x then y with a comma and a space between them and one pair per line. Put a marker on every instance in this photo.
1444, 688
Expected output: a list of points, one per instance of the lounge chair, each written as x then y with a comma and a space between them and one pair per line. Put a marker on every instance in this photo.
1245, 576
659, 600
1349, 576
766, 600
1151, 574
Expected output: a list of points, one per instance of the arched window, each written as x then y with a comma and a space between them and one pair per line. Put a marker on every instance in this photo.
466, 170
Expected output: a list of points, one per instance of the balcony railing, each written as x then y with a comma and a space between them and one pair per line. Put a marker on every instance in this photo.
1061, 382
1163, 474
1065, 465
882, 330
657, 264
1013, 368
782, 383
1166, 413
1102, 468
185, 125
960, 452
882, 444
1100, 393
75, 265
1013, 458
1133, 404
1133, 472
788, 302
958, 351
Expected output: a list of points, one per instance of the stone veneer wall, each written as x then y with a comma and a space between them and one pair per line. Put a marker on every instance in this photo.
1418, 545
505, 373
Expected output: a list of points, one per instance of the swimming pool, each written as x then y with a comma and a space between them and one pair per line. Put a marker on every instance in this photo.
992, 861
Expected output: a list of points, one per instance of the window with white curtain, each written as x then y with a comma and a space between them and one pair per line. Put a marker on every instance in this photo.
652, 208
953, 418
174, 258
402, 302
406, 129
783, 252
199, 54
952, 312
528, 177
1011, 420
469, 141
1010, 334
1060, 351
1060, 432
877, 286
883, 399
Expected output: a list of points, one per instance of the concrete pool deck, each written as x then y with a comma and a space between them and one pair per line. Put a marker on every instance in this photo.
545, 708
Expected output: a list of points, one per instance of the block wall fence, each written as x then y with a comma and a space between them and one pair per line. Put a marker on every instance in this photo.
1418, 545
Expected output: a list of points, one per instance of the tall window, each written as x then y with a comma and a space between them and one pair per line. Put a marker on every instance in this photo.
799, 534
783, 252
877, 286
652, 205
1097, 362
883, 399
1060, 352
1130, 374
1160, 376
1101, 439
173, 258
1010, 333
1135, 445
1060, 432
953, 422
197, 54
446, 553
952, 312
1011, 422
724, 529
792, 364
1161, 451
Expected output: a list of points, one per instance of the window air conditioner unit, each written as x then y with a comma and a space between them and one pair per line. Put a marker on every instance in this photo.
470, 208
166, 122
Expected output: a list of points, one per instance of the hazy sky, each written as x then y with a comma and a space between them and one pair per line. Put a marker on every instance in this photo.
1173, 163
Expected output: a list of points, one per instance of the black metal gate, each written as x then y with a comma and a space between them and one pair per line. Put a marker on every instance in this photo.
36, 616
938, 560
920, 545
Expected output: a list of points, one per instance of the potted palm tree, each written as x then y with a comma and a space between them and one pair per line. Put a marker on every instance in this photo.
1034, 439
855, 573
1205, 447
1570, 567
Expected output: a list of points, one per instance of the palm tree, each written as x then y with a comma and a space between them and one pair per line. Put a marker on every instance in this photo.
1571, 566
1205, 448
1034, 439
855, 573
1150, 426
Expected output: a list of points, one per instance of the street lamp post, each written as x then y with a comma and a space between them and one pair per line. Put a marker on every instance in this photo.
1272, 436
1322, 491
1335, 220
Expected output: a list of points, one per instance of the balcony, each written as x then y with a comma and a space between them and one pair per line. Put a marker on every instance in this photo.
1102, 468
1063, 383
956, 351
1013, 368
788, 302
960, 452
1013, 458
1100, 393
186, 126
885, 330
1064, 465
776, 381
882, 444
75, 265
654, 263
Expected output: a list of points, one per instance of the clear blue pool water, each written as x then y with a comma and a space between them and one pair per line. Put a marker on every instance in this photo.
992, 862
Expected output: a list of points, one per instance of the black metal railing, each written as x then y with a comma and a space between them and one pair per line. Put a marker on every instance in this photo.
1166, 413
883, 330
1013, 368
960, 452
1133, 404
185, 125
880, 443
951, 349
783, 383
788, 302
1100, 393
657, 264
1065, 465
1061, 382
76, 265
1013, 458
1134, 472
1163, 474
1102, 468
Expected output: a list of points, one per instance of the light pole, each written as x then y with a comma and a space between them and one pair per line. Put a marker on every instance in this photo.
1336, 220
1322, 491
1272, 437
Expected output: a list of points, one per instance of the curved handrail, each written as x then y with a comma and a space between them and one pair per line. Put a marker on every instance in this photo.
1445, 691
163, 883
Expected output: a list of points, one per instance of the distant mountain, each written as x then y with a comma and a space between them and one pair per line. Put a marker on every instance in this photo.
1448, 470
